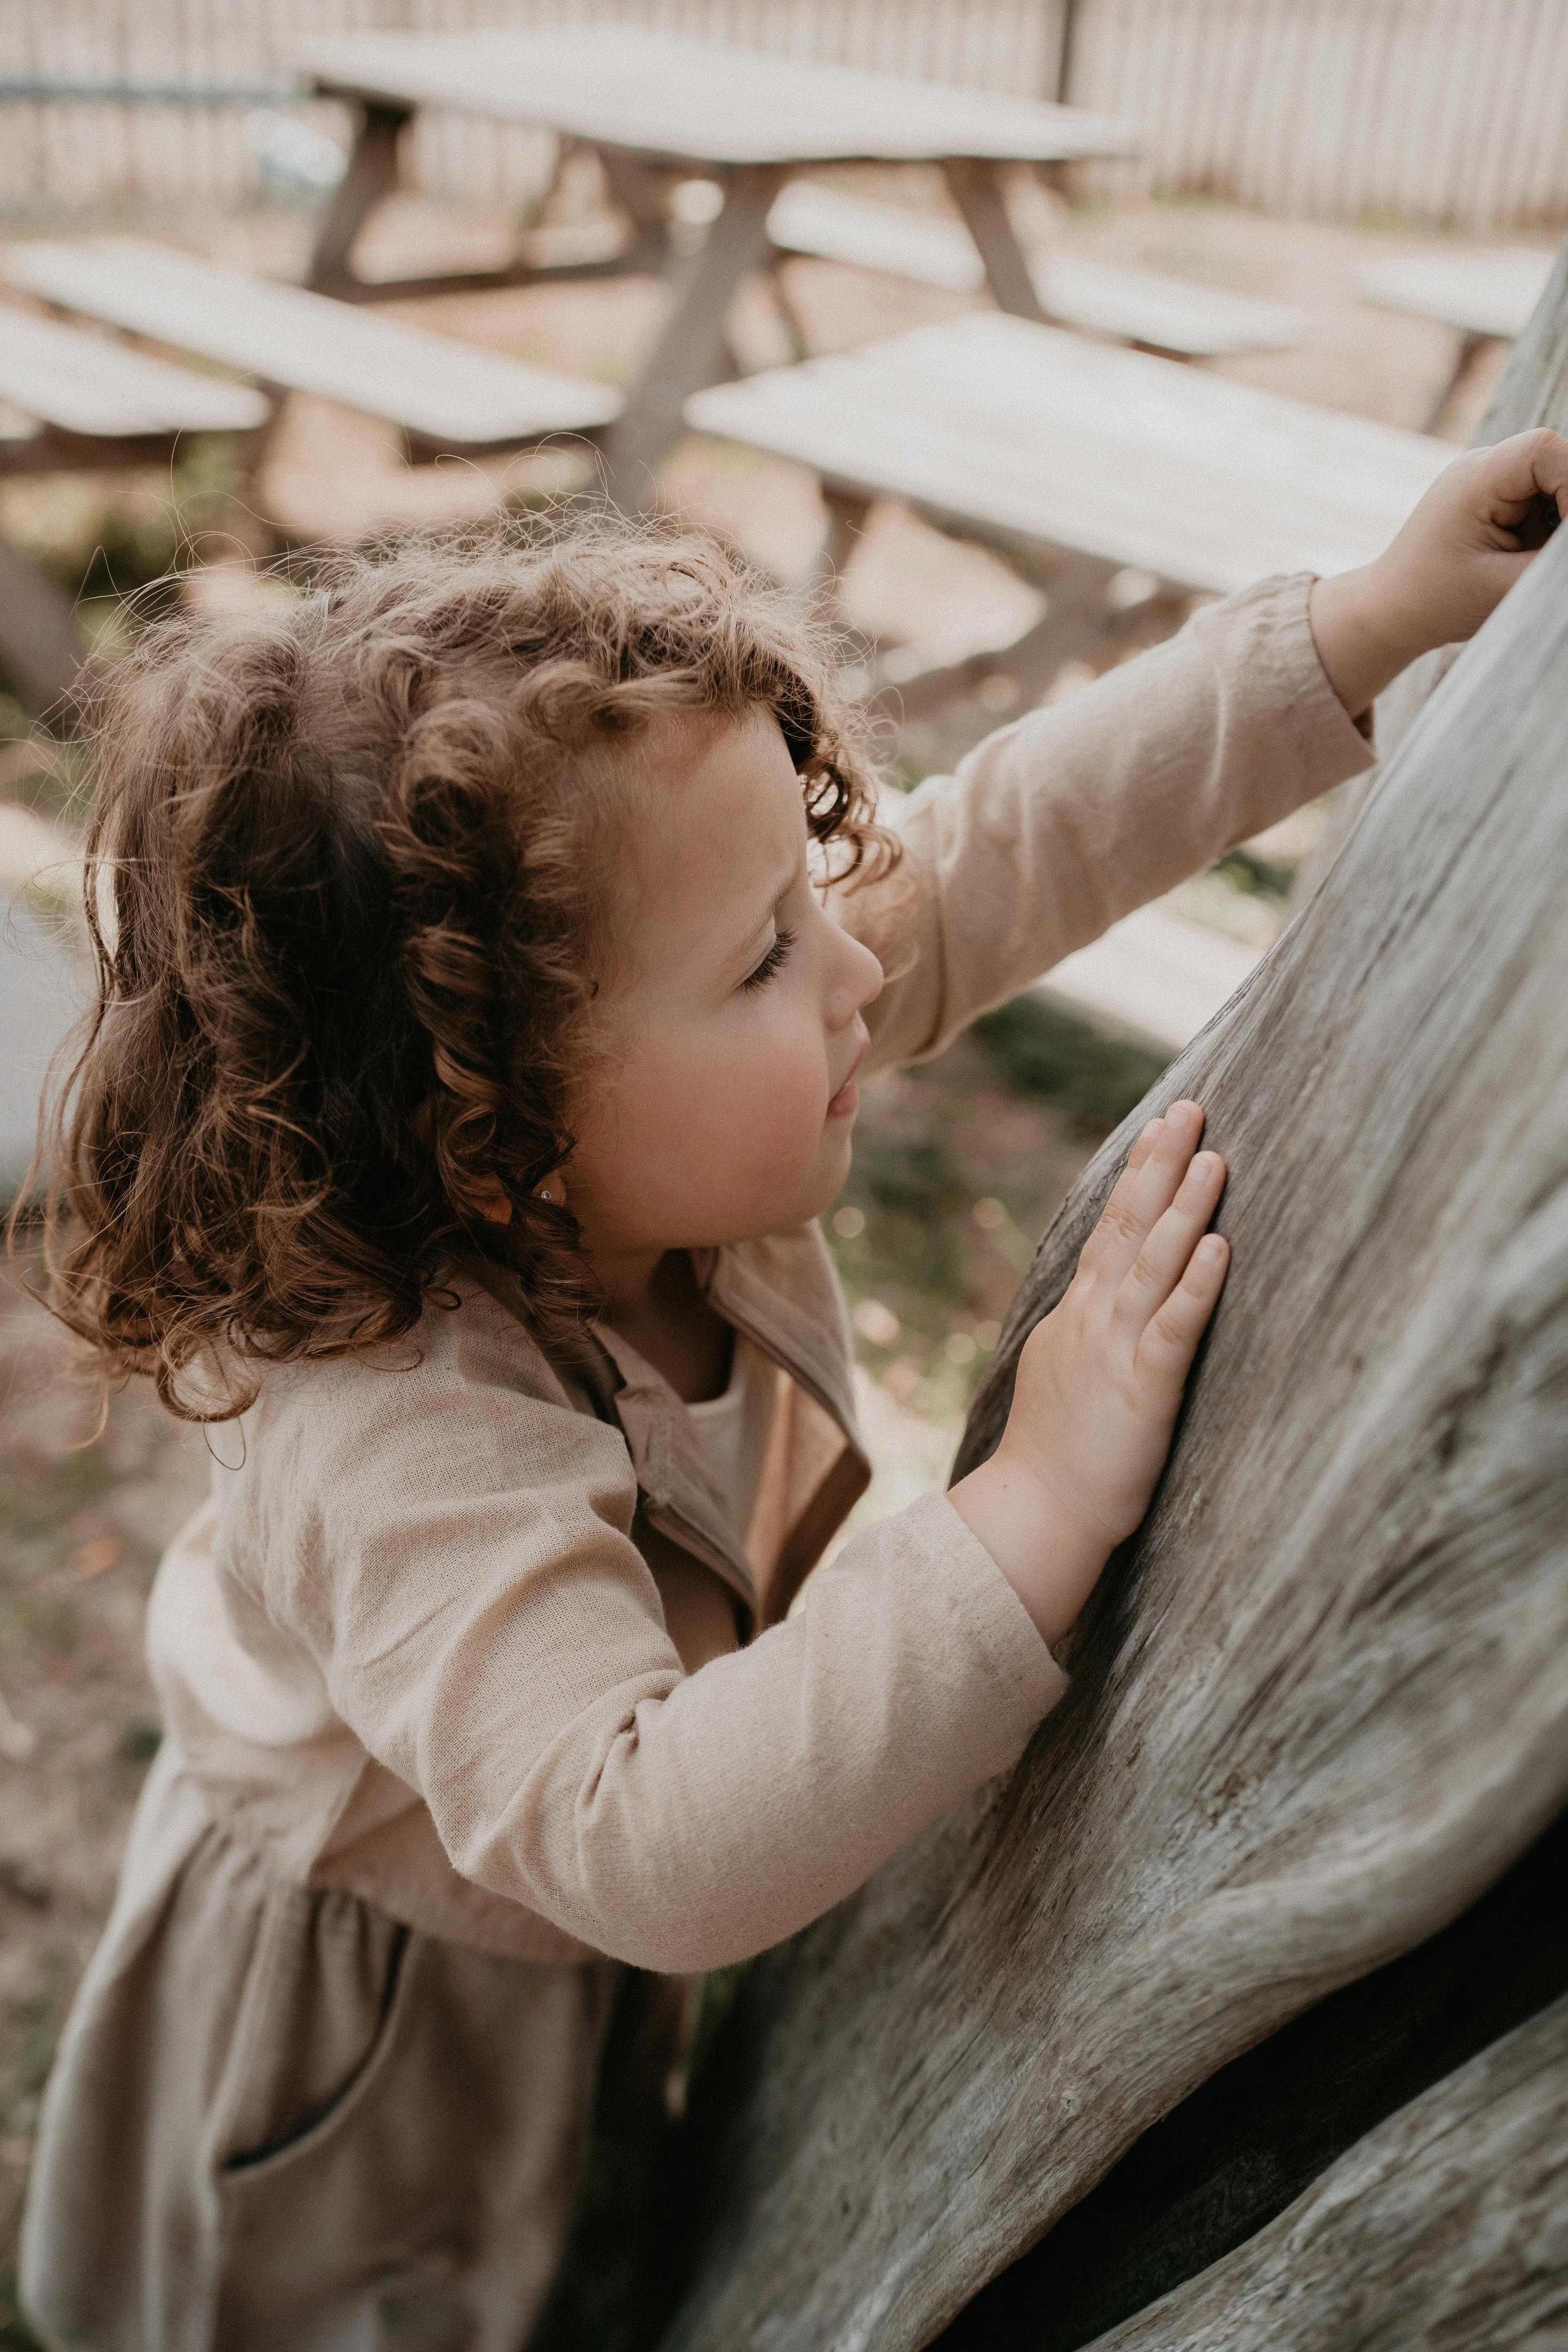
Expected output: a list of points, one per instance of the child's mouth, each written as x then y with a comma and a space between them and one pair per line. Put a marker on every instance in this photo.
846, 1101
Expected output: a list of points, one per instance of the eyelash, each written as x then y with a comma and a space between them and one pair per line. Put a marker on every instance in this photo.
772, 963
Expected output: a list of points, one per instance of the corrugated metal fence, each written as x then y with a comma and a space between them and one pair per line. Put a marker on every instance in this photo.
1449, 112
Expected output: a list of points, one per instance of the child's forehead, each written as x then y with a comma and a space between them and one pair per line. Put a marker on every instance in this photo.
692, 768
716, 820
685, 736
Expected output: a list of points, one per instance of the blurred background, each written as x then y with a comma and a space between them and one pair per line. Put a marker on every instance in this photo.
1378, 186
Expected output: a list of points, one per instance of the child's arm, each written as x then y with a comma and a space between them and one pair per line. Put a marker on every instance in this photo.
457, 1553
1065, 821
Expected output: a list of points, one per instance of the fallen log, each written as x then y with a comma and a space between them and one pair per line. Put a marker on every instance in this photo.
1320, 1704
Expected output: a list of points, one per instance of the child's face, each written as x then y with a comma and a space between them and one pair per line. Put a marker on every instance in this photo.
723, 1106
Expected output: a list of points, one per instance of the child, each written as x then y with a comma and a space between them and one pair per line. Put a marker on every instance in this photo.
475, 1052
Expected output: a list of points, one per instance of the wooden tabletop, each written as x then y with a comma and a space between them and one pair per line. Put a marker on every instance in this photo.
701, 102
1028, 431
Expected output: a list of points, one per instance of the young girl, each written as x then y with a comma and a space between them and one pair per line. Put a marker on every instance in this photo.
477, 1047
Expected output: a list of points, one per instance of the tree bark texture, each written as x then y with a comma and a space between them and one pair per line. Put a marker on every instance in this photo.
1453, 2213
1320, 1704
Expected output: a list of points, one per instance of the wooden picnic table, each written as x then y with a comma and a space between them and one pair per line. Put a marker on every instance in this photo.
1486, 297
1081, 459
657, 107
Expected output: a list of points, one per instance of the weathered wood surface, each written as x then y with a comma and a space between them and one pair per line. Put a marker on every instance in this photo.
447, 393
1002, 425
661, 93
1251, 2140
87, 384
1139, 305
1321, 1702
1447, 2227
1533, 391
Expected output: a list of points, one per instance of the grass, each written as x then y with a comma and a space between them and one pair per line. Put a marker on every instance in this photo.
29, 2029
958, 1167
117, 545
1091, 1074
37, 1511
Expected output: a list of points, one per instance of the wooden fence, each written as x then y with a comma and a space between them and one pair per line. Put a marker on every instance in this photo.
1441, 112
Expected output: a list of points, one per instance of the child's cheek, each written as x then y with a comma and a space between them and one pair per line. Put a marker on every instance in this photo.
780, 1102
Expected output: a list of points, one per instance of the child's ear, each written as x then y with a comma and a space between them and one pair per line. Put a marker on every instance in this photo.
489, 1198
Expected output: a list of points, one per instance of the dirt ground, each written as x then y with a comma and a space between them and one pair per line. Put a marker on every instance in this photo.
88, 1499
960, 1165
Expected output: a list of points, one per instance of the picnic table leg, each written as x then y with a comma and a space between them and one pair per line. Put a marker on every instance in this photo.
1075, 617
976, 190
39, 644
371, 175
1471, 346
847, 513
789, 317
641, 196
688, 354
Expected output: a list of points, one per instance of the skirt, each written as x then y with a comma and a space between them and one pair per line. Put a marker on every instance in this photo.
281, 2121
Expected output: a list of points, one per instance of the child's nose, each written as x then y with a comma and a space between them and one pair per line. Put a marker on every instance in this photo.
863, 977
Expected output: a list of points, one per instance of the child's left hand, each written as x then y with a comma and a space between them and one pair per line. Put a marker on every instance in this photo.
1464, 545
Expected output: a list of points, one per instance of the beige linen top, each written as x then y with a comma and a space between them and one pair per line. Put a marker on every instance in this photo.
469, 1633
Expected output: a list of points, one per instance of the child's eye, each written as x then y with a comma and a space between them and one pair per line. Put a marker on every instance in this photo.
774, 961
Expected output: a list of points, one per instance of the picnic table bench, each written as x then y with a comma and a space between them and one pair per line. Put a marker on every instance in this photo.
445, 395
1143, 307
656, 109
1485, 297
88, 402
77, 402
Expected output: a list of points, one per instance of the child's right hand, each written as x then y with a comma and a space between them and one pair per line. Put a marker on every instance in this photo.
1100, 1378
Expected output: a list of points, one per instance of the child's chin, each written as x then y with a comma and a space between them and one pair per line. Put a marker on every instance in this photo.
834, 1175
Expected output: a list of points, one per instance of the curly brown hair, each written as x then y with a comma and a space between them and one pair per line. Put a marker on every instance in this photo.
345, 883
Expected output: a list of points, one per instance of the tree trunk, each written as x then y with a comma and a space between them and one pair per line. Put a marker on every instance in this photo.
1442, 2218
1320, 1704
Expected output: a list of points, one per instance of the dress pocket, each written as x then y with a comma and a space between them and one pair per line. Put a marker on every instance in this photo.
320, 2017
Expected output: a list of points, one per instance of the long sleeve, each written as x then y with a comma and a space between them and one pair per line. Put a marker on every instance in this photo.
1056, 827
457, 1558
